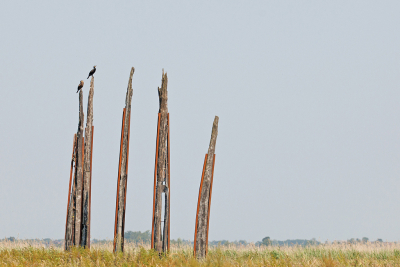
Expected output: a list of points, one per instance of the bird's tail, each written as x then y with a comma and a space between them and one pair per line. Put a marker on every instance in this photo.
88, 77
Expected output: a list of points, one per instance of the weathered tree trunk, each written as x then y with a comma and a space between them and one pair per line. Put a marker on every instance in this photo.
202, 217
85, 240
123, 179
70, 236
68, 242
79, 172
160, 241
166, 219
73, 228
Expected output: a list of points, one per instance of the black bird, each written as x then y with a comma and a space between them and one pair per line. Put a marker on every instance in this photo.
80, 86
92, 72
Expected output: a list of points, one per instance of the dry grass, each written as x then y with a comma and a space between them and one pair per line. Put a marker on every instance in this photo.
23, 253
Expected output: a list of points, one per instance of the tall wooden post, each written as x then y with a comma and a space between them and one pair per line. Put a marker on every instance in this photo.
87, 169
68, 241
79, 173
74, 215
90, 189
204, 202
123, 171
160, 238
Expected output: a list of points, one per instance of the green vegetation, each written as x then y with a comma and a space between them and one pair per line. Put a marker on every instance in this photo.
266, 241
19, 253
138, 237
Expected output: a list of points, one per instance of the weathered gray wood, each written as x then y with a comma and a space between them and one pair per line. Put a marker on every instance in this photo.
124, 167
79, 173
68, 242
166, 218
162, 167
85, 240
165, 190
73, 227
202, 218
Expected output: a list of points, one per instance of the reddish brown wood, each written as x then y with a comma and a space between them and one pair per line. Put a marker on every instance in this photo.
155, 182
198, 205
209, 203
119, 177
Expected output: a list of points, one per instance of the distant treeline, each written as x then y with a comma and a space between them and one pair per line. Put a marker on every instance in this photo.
266, 241
145, 237
46, 241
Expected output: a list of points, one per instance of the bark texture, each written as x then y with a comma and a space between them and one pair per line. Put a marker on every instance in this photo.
85, 240
70, 208
73, 228
166, 219
79, 172
202, 218
161, 239
123, 179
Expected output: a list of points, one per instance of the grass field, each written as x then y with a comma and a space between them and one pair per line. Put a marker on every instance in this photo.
21, 253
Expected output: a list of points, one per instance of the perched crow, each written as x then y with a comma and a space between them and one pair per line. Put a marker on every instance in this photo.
80, 86
92, 72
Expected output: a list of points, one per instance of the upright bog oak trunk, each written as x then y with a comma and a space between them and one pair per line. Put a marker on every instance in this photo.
123, 171
79, 172
160, 238
68, 242
85, 240
204, 202
73, 227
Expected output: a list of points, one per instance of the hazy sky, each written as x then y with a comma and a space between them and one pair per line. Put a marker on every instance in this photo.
307, 93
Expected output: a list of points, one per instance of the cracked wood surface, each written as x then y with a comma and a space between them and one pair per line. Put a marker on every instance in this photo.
161, 240
124, 168
203, 214
79, 173
85, 240
71, 203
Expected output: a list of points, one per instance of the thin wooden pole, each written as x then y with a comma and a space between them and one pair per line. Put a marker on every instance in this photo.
155, 182
209, 203
169, 190
119, 178
69, 187
90, 187
198, 204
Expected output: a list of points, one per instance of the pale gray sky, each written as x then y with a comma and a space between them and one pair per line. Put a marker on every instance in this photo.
307, 93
